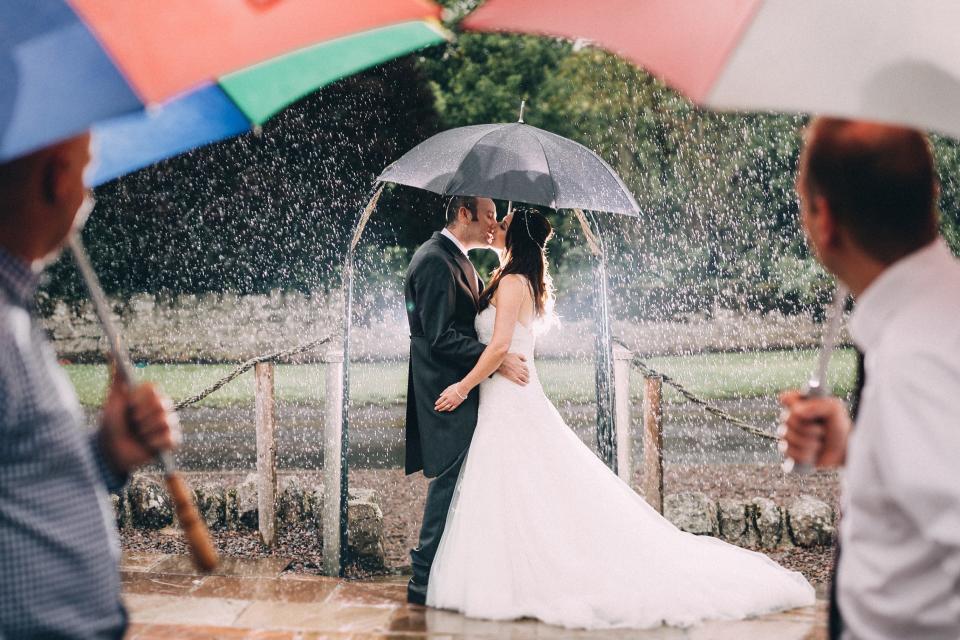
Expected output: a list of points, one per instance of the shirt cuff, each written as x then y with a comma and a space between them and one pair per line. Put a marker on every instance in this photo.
114, 481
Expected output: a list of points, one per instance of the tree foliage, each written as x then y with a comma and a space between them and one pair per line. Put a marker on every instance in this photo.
719, 227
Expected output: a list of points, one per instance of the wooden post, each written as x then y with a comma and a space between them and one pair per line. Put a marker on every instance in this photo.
333, 464
621, 395
653, 442
266, 452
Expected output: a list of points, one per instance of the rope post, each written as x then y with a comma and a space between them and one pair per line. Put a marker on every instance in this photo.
653, 442
334, 544
622, 358
266, 452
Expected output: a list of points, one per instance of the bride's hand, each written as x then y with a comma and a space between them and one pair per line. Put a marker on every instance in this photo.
450, 399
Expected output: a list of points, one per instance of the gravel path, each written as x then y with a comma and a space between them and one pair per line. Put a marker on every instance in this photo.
401, 498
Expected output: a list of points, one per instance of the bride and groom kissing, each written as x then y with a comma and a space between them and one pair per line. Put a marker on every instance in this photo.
521, 519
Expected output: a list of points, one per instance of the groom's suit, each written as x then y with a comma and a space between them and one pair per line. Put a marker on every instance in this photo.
442, 293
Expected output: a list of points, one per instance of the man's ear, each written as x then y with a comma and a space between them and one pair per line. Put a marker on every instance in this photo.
825, 223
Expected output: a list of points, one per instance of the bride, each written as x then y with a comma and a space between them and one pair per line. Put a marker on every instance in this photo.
540, 528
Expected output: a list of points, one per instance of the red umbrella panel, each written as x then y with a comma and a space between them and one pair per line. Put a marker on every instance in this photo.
885, 60
684, 43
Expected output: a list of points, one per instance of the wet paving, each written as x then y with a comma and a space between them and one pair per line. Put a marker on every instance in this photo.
259, 599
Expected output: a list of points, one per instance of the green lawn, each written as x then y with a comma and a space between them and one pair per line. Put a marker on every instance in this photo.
715, 375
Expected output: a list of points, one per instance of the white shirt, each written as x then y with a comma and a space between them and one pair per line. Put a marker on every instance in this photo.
899, 573
446, 232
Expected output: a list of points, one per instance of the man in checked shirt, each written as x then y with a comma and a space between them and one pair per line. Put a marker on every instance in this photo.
58, 542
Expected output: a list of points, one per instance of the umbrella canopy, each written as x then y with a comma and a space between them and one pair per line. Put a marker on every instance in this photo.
885, 60
513, 162
66, 64
245, 99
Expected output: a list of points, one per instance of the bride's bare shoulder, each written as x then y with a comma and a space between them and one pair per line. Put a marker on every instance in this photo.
513, 286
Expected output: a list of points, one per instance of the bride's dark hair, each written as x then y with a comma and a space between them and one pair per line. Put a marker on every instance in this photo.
526, 255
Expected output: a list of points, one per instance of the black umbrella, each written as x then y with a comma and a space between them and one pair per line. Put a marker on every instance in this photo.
513, 161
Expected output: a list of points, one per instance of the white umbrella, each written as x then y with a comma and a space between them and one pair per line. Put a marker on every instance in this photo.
888, 60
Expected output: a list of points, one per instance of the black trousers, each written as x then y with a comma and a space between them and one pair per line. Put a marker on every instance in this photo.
439, 495
834, 618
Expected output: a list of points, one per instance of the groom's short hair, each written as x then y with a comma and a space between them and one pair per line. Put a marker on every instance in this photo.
467, 202
879, 181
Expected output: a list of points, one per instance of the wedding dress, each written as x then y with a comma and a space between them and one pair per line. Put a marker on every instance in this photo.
540, 528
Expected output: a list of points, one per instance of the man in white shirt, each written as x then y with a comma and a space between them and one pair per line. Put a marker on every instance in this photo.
868, 207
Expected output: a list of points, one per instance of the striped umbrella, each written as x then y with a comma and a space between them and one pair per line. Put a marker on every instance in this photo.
66, 64
245, 99
885, 60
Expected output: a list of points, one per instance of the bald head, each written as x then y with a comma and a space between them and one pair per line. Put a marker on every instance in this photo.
40, 194
878, 180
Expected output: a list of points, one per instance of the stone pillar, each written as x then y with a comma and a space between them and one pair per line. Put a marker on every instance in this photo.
266, 452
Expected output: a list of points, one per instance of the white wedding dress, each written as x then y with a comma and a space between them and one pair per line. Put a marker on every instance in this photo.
540, 528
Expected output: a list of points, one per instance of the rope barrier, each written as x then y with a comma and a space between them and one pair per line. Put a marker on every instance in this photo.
249, 364
639, 364
647, 370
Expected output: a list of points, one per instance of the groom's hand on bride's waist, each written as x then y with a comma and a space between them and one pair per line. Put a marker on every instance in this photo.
514, 368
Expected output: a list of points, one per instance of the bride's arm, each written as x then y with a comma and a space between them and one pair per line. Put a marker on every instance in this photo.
511, 294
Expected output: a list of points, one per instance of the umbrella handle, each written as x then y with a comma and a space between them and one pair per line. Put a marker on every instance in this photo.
817, 386
202, 551
198, 538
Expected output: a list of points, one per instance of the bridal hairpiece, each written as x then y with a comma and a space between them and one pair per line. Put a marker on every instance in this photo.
526, 221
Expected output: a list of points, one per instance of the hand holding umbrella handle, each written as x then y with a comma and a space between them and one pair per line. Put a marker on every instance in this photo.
803, 468
817, 385
198, 538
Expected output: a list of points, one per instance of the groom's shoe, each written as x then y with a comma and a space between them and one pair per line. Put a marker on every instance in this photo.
416, 593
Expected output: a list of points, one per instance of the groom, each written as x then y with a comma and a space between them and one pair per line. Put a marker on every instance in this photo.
442, 291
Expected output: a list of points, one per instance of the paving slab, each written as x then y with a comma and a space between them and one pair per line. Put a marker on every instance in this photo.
315, 617
162, 609
136, 561
143, 583
251, 568
271, 589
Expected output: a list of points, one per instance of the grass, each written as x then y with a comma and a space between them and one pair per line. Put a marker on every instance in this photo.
713, 375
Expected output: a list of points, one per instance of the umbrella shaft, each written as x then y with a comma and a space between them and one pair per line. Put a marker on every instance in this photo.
831, 333
121, 358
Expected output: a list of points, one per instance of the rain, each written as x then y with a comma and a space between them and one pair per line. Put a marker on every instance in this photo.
236, 249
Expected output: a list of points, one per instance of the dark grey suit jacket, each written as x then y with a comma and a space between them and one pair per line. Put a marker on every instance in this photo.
442, 293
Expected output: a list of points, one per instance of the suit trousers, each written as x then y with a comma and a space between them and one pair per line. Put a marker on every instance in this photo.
439, 495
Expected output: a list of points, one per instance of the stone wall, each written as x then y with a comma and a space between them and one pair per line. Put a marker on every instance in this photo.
758, 523
227, 503
229, 328
231, 504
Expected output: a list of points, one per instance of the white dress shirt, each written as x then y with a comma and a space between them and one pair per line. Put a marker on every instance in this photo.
899, 572
446, 233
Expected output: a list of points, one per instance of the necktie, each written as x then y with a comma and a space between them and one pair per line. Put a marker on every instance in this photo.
835, 620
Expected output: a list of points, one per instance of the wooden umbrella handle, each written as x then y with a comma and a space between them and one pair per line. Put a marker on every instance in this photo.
198, 538
202, 552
